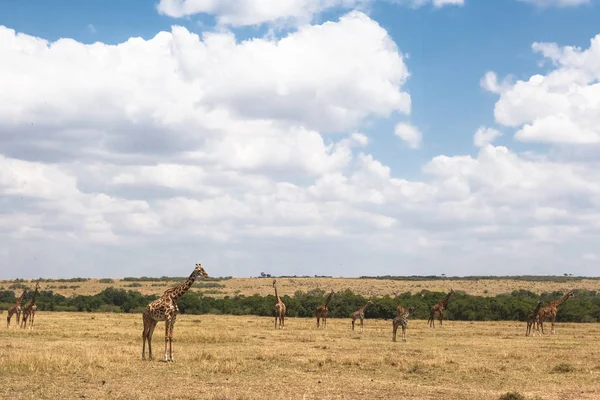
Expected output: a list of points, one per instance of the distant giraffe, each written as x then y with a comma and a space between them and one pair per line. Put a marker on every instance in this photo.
279, 309
322, 310
360, 314
30, 309
549, 312
165, 309
15, 309
439, 308
532, 319
399, 310
401, 320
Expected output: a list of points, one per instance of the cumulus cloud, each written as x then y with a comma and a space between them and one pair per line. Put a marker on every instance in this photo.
409, 133
252, 12
561, 107
147, 156
485, 135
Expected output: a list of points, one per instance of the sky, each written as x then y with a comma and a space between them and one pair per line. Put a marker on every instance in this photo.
306, 137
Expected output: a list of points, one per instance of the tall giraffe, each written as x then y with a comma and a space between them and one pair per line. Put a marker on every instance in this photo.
15, 309
165, 309
401, 320
360, 314
279, 309
439, 308
532, 319
322, 310
30, 309
549, 312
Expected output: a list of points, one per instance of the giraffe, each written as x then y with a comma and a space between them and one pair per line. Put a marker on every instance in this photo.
30, 309
15, 309
322, 310
439, 308
401, 320
165, 309
279, 308
360, 314
549, 312
532, 319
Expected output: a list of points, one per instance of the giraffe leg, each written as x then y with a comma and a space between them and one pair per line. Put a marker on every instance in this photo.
361, 324
171, 328
403, 334
353, 324
394, 329
324, 322
167, 324
32, 318
150, 333
276, 318
145, 336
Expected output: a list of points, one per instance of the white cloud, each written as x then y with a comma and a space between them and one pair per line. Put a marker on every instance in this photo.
485, 135
560, 107
409, 133
295, 12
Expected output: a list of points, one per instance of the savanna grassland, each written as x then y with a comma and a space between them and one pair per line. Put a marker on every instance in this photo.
98, 356
364, 287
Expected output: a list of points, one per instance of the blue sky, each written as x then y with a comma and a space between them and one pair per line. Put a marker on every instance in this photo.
450, 49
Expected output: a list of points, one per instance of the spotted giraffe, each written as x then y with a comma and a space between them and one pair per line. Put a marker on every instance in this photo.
401, 320
360, 315
15, 309
165, 309
439, 308
30, 309
279, 308
322, 310
532, 320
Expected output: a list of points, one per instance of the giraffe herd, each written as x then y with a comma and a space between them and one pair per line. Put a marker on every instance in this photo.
165, 309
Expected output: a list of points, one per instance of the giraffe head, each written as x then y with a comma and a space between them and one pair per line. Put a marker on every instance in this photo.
411, 310
274, 281
370, 302
570, 293
200, 269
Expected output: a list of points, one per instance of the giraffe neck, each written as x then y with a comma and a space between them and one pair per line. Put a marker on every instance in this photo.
32, 302
537, 309
180, 290
362, 309
561, 300
276, 294
444, 302
328, 299
20, 299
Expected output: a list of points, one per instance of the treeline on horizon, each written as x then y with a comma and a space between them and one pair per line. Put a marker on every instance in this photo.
526, 278
584, 306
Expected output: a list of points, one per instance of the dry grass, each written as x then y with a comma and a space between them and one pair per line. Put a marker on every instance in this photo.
365, 287
98, 356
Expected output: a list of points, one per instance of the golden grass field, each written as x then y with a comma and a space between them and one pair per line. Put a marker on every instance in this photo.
365, 287
98, 356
